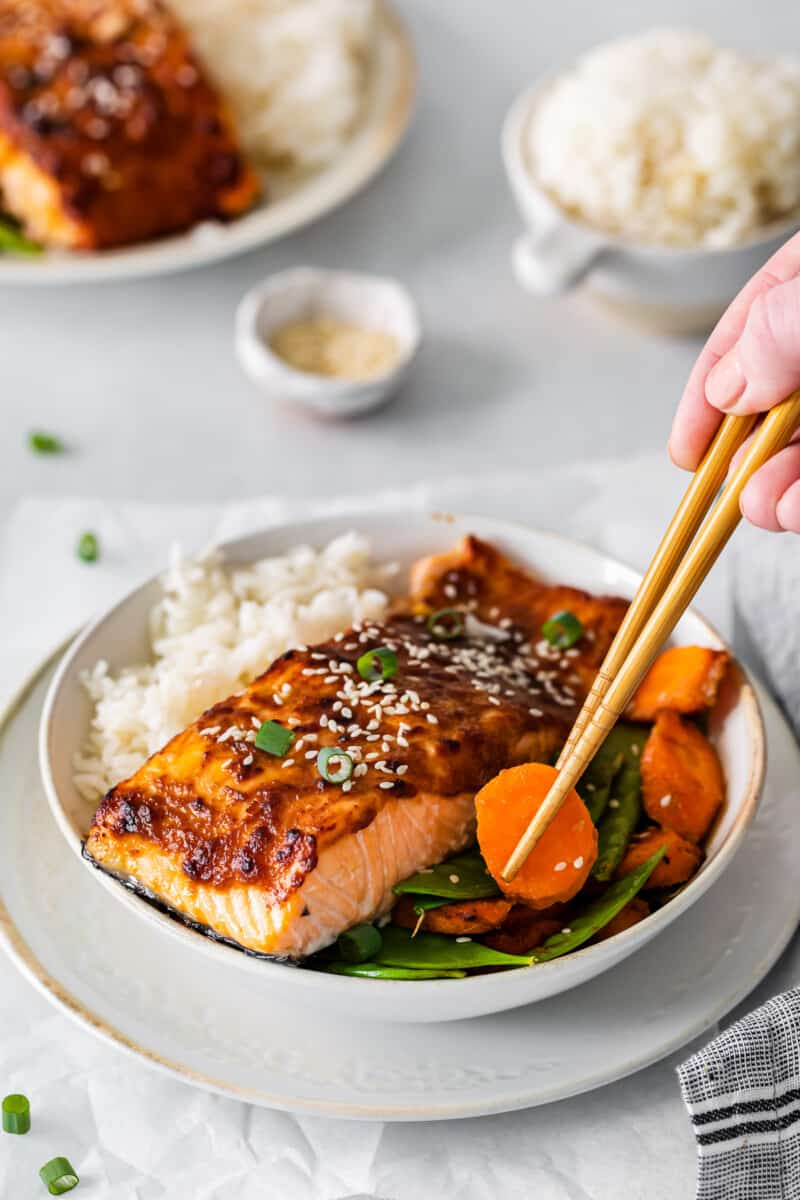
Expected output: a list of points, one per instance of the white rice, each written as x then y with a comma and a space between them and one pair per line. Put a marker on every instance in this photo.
667, 138
292, 71
213, 631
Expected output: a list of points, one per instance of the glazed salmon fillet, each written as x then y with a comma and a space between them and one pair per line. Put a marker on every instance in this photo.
262, 850
110, 132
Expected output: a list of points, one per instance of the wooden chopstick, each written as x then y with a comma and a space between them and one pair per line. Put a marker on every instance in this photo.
697, 499
669, 594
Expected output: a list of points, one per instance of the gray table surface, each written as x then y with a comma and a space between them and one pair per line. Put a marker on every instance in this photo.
142, 381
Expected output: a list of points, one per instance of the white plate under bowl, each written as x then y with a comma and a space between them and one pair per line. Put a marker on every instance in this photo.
200, 1022
120, 638
293, 200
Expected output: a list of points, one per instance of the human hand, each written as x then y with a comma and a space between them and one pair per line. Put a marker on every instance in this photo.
750, 363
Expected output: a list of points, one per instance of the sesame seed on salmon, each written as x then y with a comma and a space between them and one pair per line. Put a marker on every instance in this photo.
266, 851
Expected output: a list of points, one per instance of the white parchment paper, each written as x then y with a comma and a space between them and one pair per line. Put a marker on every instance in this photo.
137, 1135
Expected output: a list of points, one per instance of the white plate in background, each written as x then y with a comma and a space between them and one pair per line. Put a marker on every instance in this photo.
291, 203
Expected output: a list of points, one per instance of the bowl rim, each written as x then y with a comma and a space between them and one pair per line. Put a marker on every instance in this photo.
325, 984
523, 180
256, 298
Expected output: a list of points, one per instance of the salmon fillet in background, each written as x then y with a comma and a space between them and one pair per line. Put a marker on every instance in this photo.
110, 131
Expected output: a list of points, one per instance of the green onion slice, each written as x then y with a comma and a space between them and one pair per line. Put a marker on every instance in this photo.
563, 630
359, 944
44, 443
88, 548
273, 738
446, 624
377, 664
334, 765
58, 1176
16, 1114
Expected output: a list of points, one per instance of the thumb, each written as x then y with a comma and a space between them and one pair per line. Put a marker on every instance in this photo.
763, 367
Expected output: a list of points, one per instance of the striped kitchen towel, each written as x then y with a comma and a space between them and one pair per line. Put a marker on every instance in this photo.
743, 1096
743, 1089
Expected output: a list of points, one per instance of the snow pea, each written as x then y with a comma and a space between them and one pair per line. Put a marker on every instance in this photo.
623, 811
599, 912
373, 970
358, 944
595, 784
464, 877
440, 951
423, 905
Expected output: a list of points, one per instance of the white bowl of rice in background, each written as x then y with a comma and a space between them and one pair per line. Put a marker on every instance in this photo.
660, 169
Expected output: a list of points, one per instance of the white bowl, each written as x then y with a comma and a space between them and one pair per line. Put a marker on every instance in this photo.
675, 290
120, 637
366, 300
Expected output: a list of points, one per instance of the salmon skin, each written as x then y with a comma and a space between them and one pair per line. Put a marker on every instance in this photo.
266, 853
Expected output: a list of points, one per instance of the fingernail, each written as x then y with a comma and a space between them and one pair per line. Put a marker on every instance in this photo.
725, 383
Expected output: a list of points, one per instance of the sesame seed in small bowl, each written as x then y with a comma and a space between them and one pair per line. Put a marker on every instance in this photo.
336, 342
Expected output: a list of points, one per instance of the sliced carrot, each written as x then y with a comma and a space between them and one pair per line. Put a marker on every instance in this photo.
524, 929
684, 678
629, 916
682, 781
461, 917
560, 863
680, 862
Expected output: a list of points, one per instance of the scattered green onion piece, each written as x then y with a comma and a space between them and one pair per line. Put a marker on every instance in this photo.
58, 1176
13, 241
377, 664
446, 624
16, 1114
333, 773
563, 630
273, 738
359, 944
88, 548
44, 443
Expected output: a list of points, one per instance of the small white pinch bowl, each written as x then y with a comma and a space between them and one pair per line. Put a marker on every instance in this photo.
667, 288
120, 637
367, 300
